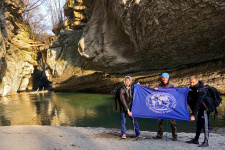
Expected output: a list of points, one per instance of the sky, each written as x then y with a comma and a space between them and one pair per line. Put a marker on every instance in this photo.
43, 9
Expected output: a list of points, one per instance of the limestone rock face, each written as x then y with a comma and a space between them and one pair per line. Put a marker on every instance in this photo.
77, 14
17, 56
151, 35
102, 41
143, 38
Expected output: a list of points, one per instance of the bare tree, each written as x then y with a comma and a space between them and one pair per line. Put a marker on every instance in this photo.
39, 27
38, 17
34, 16
55, 9
30, 6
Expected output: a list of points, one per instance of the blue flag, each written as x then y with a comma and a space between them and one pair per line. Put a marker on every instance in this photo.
164, 103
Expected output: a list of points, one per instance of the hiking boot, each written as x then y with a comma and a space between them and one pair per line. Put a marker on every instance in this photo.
124, 136
140, 137
174, 138
157, 137
193, 141
204, 144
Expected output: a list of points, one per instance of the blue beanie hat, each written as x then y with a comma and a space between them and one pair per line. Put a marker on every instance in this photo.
165, 75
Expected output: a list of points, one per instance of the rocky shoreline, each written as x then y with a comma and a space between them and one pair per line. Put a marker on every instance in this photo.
68, 138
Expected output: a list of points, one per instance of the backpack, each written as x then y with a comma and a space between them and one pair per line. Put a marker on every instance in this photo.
116, 93
212, 99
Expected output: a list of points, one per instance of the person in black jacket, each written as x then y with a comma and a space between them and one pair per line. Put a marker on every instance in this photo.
125, 101
196, 97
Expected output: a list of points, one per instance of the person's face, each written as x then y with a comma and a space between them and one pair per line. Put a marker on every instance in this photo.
127, 81
193, 82
165, 80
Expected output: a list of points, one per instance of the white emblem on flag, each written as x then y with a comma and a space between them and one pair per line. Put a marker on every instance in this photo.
160, 102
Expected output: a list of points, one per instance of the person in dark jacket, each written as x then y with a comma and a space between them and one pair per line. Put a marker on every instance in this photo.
166, 84
126, 99
196, 97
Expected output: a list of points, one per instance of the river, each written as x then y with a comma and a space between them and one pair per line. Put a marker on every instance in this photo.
79, 110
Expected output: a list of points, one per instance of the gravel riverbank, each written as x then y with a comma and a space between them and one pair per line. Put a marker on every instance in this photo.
70, 138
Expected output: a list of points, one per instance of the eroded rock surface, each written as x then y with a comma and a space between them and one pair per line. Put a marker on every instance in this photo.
102, 41
18, 57
143, 38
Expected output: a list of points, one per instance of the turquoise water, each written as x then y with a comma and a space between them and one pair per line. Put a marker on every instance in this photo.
80, 110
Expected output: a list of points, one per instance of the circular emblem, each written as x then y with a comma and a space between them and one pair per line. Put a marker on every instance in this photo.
160, 102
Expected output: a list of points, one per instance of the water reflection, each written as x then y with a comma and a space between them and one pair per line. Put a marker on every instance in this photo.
77, 109
48, 108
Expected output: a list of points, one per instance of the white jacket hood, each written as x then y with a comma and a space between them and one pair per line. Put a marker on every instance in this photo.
129, 78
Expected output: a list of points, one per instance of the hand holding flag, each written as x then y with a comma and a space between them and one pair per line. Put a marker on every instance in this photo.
164, 103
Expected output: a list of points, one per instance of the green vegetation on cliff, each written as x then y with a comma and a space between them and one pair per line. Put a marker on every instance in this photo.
28, 29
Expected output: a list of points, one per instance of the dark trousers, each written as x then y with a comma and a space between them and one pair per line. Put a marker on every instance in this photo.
202, 123
173, 127
123, 122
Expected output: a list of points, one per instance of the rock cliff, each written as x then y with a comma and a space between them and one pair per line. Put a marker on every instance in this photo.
17, 52
140, 38
102, 41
